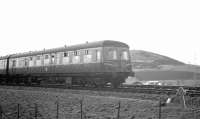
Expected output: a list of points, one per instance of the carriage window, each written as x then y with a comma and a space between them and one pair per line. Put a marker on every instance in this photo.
31, 63
66, 54
2, 64
58, 57
52, 58
38, 57
38, 61
46, 57
65, 59
76, 57
98, 55
124, 55
86, 52
26, 62
14, 63
76, 53
87, 57
112, 54
21, 62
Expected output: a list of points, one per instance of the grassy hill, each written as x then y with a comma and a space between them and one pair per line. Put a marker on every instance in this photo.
152, 66
147, 60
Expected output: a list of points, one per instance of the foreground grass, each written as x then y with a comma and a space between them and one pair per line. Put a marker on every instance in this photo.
96, 104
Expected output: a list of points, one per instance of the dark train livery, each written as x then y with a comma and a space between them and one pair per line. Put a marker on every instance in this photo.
93, 64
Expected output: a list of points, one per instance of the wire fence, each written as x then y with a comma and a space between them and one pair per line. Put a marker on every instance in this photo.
34, 112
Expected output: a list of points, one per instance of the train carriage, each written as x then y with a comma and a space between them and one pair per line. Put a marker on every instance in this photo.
94, 64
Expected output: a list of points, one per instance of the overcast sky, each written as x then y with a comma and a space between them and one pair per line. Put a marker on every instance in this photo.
166, 27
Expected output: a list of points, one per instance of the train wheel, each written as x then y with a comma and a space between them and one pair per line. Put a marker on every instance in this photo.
68, 82
1, 81
38, 82
27, 81
9, 80
83, 83
115, 83
17, 81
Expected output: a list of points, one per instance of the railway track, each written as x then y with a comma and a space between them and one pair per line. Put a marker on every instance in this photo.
190, 91
146, 89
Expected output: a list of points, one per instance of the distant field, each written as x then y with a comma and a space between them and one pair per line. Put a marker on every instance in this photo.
167, 75
179, 78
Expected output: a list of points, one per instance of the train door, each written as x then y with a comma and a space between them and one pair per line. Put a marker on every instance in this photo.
3, 63
52, 63
13, 66
26, 65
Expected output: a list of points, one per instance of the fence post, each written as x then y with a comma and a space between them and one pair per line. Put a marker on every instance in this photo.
36, 108
198, 104
81, 102
118, 110
194, 113
57, 110
192, 102
159, 115
1, 112
18, 111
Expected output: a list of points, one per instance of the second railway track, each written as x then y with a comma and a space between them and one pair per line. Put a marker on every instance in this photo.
146, 89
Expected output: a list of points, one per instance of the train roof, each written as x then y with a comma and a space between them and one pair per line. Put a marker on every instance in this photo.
104, 43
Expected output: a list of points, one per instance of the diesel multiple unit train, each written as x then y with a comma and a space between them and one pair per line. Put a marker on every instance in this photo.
90, 64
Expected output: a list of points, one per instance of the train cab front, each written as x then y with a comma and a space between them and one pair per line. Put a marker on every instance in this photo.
118, 62
117, 59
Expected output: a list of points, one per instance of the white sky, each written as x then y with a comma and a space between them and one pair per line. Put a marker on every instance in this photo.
167, 27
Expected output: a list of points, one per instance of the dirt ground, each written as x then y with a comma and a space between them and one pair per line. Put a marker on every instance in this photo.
95, 105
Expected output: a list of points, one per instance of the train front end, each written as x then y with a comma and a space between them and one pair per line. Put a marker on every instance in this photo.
117, 63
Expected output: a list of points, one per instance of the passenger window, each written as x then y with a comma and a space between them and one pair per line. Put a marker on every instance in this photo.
87, 58
46, 57
31, 63
65, 54
14, 63
58, 58
53, 58
21, 62
124, 55
86, 52
76, 53
112, 54
2, 64
76, 57
26, 62
65, 59
38, 61
98, 54
38, 58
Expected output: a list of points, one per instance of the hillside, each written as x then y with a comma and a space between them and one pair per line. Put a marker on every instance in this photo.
150, 66
147, 60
